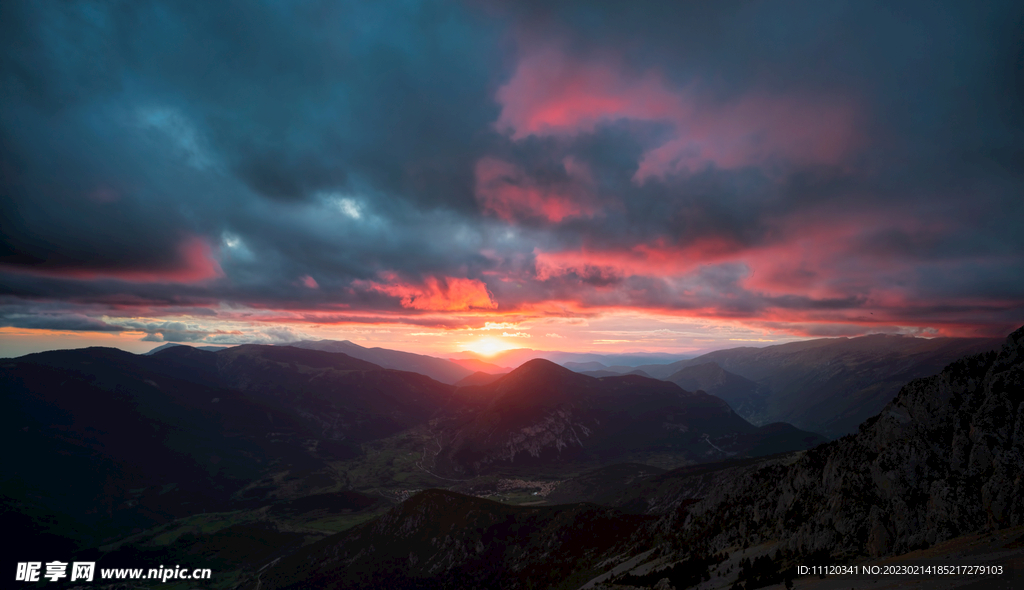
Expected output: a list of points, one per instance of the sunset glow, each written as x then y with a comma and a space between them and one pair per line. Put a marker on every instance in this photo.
489, 346
512, 179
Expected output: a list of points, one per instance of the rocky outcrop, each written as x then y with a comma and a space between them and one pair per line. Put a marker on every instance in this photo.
830, 385
942, 459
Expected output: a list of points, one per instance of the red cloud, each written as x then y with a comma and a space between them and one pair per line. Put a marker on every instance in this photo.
655, 259
506, 190
447, 294
554, 94
759, 129
551, 93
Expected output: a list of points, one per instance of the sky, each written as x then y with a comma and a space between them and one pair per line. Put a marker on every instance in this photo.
441, 176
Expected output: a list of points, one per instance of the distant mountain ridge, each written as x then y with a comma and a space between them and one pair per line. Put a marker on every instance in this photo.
146, 438
542, 413
743, 395
173, 344
213, 426
828, 385
517, 356
944, 458
480, 366
442, 370
479, 378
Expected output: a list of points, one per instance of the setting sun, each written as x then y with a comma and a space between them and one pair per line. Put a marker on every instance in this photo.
488, 346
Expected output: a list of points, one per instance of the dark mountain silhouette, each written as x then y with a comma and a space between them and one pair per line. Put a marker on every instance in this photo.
588, 366
147, 438
517, 356
173, 344
442, 370
944, 458
479, 378
480, 366
542, 414
830, 385
593, 367
743, 395
250, 539
346, 398
440, 539
641, 489
609, 373
108, 444
604, 484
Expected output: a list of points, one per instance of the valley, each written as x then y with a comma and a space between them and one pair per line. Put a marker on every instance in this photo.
270, 456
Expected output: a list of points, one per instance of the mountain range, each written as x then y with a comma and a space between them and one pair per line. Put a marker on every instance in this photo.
943, 459
443, 370
590, 360
828, 385
292, 467
152, 438
148, 438
542, 414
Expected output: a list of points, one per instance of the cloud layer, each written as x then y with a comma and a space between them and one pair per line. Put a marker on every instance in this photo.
188, 170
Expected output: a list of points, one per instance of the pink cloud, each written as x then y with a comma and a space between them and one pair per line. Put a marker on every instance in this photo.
758, 129
510, 193
657, 258
552, 93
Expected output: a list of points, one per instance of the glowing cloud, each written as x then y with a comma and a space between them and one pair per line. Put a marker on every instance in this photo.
552, 93
510, 193
654, 259
488, 346
447, 294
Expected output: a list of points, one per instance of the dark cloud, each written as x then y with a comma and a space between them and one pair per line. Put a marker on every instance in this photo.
64, 322
728, 159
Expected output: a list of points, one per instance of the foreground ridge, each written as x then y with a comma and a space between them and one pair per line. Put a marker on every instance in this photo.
944, 458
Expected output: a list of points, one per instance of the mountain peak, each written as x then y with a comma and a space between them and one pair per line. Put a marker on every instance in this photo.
540, 366
302, 356
178, 351
1016, 338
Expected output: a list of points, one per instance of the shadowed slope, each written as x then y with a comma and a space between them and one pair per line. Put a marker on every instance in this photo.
544, 414
740, 393
440, 539
442, 370
831, 385
149, 438
944, 458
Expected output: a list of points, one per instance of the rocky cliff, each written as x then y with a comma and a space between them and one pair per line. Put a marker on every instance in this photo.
942, 459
